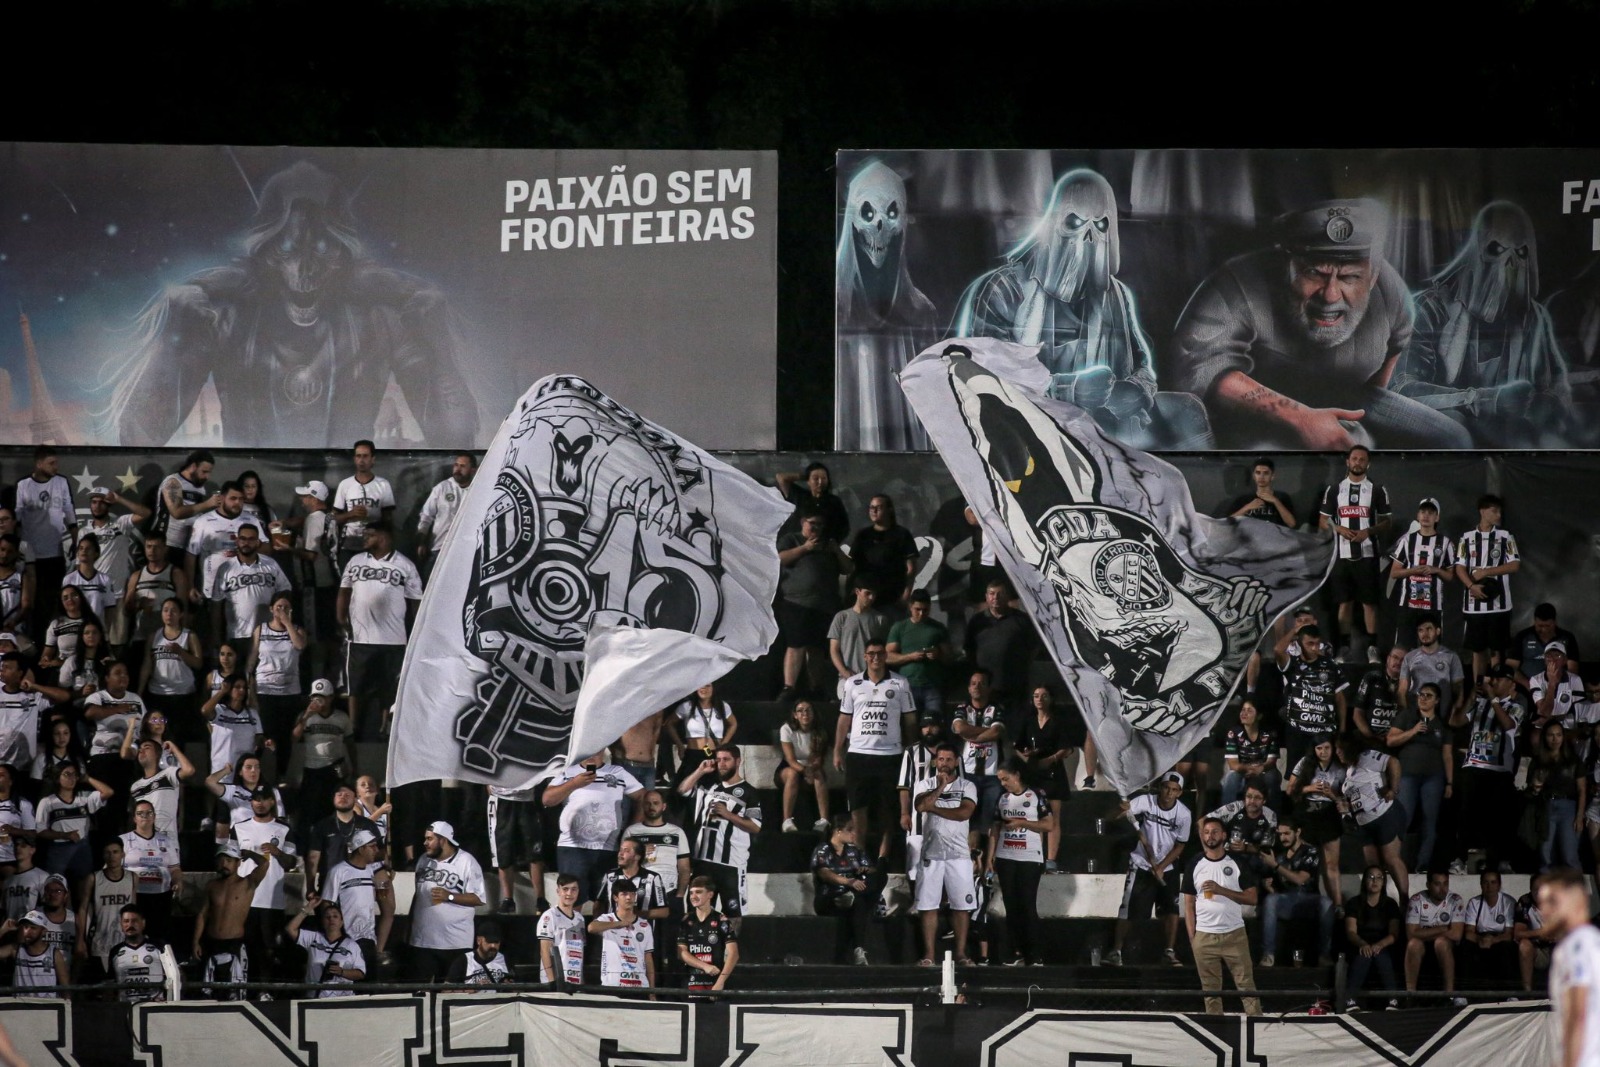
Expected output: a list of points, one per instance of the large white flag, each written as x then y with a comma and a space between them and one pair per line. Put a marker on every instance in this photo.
585, 522
1149, 609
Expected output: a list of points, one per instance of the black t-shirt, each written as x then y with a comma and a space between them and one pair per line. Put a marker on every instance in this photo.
880, 558
331, 837
1263, 511
1003, 645
1307, 859
1308, 690
1372, 920
1376, 696
835, 523
707, 942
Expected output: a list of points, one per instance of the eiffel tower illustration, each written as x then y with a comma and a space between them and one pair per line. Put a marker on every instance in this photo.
44, 425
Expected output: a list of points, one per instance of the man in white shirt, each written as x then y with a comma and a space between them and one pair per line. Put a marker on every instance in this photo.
1488, 943
265, 919
46, 518
449, 887
363, 889
21, 702
1215, 887
597, 800
946, 876
438, 519
876, 714
318, 547
211, 535
665, 846
1163, 826
1435, 919
378, 595
562, 935
243, 584
1575, 969
627, 942
362, 498
116, 538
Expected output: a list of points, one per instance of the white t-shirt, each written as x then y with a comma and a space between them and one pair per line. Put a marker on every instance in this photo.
662, 846
945, 839
701, 722
319, 953
233, 735
98, 593
1493, 918
1423, 911
277, 662
16, 813
210, 534
1363, 787
1577, 963
44, 511
22, 891
592, 816
320, 535
161, 790
622, 950
150, 859
1219, 915
800, 741
1161, 827
376, 495
169, 674
191, 493
445, 925
1016, 842
354, 889
19, 726
875, 710
117, 538
252, 834
109, 731
66, 816
379, 589
438, 517
246, 591
566, 934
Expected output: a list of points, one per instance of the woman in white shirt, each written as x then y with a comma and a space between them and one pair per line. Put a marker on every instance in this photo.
274, 670
1016, 858
235, 725
63, 821
61, 636
802, 743
1371, 782
698, 726
167, 677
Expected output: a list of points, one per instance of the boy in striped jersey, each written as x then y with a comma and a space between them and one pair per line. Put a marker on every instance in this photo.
1420, 563
1486, 557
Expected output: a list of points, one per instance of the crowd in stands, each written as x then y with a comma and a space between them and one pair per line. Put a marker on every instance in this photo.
270, 640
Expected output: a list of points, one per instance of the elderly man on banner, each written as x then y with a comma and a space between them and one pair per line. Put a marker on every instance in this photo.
1150, 609
601, 567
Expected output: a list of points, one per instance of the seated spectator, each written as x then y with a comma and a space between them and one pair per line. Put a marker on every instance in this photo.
485, 964
1371, 783
1372, 929
1435, 918
697, 726
1295, 868
1251, 827
332, 956
808, 599
919, 648
1314, 788
802, 744
1558, 789
62, 636
1488, 949
1250, 752
1533, 944
1420, 740
842, 880
1043, 743
16, 821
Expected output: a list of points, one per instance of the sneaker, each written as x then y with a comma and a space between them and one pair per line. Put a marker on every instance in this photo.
1372, 654
785, 694
1458, 1002
508, 906
1267, 961
1050, 867
1114, 958
924, 963
789, 827
1458, 866
1393, 1003
1350, 1006
1016, 961
1088, 782
1037, 963
822, 826
858, 957
1171, 956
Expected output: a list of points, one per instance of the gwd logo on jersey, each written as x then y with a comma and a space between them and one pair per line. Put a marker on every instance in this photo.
1167, 636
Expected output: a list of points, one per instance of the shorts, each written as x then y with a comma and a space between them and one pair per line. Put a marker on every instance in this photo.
1385, 828
1355, 581
870, 779
372, 672
732, 891
941, 880
516, 833
227, 961
1488, 633
1320, 825
803, 627
1142, 891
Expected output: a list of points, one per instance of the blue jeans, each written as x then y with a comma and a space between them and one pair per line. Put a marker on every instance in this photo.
644, 772
926, 698
1561, 840
1233, 786
1426, 791
1296, 905
1360, 965
587, 865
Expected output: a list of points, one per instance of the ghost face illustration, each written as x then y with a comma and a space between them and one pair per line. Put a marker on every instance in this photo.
876, 205
1503, 278
1076, 244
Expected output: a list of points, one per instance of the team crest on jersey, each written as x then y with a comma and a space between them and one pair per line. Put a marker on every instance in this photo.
1227, 872
1168, 636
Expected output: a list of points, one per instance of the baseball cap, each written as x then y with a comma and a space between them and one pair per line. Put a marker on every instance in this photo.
489, 930
317, 489
1500, 670
930, 718
360, 838
440, 828
1172, 776
322, 688
229, 848
36, 918
59, 879
1555, 646
1304, 609
263, 792
9, 636
1428, 503
100, 490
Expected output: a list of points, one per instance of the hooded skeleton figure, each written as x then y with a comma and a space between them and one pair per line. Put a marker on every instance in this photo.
883, 320
1484, 345
1058, 289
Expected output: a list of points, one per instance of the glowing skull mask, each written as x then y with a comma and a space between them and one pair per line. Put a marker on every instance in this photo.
876, 204
1076, 245
1504, 274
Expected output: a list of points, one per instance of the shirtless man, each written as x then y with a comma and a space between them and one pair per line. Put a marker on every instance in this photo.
221, 922
639, 746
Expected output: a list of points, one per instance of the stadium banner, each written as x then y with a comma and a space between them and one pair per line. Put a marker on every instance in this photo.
309, 297
1236, 299
593, 546
1149, 609
593, 1031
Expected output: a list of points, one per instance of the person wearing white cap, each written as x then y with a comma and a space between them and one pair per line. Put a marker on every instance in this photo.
364, 892
39, 962
219, 929
323, 728
1420, 562
449, 886
316, 549
438, 518
1557, 692
1163, 826
116, 537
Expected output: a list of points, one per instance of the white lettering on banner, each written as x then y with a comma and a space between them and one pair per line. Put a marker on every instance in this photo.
768, 1035
1490, 1036
383, 1031
1130, 1040
576, 1031
377, 1031
42, 1033
178, 1035
602, 193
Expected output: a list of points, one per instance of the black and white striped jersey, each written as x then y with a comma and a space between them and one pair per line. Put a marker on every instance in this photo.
1493, 547
1356, 506
1422, 592
718, 840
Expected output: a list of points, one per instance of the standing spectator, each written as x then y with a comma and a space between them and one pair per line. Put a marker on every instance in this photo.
1556, 693
627, 941
1016, 859
137, 960
100, 902
516, 839
697, 726
372, 806
816, 499
17, 592
1434, 924
1531, 933
331, 838
808, 599
1264, 502
1042, 742
1421, 741
16, 821
1558, 785
158, 780
1314, 786
852, 629
54, 899
630, 868
1295, 868
708, 942
117, 538
152, 856
323, 730
378, 594
1377, 700
485, 964
1371, 783
665, 845
243, 586
361, 499
437, 522
99, 595
1486, 557
363, 890
639, 749
63, 820
946, 874
801, 745
1489, 803
333, 957
1372, 928
319, 581
1250, 752
919, 646
212, 535
256, 508
561, 932
1357, 511
1575, 968
885, 555
21, 701
1528, 645
180, 500
1419, 564
273, 667
219, 929
449, 887
1214, 886
1488, 948
842, 884
727, 811
916, 764
37, 960
979, 724
25, 884
234, 798
62, 636
171, 656
596, 800
265, 919
874, 718
1000, 639
235, 725
113, 710
63, 747
47, 521
1163, 826
1313, 691
1430, 661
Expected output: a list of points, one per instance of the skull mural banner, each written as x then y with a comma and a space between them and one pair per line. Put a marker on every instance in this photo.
589, 523
1150, 610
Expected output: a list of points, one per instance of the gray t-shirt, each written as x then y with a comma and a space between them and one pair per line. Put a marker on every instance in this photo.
812, 581
852, 629
324, 738
1441, 666
1423, 755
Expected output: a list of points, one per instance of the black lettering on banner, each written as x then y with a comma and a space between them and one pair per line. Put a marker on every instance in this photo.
563, 1031
1130, 1040
767, 1035
42, 1033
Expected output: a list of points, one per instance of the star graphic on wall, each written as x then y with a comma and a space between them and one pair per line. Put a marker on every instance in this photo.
129, 481
85, 480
